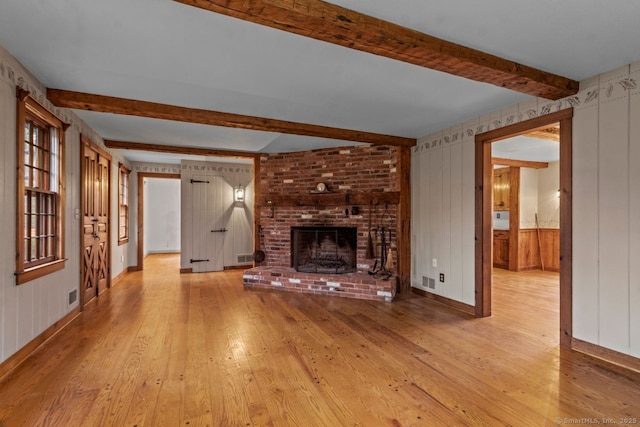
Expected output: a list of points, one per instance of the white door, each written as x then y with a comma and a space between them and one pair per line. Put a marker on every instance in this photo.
208, 231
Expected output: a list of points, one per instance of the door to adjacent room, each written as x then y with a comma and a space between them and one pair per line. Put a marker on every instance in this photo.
95, 178
208, 230
484, 213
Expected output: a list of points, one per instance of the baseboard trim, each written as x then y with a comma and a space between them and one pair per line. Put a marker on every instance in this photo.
226, 268
238, 267
14, 361
119, 277
133, 268
469, 309
611, 356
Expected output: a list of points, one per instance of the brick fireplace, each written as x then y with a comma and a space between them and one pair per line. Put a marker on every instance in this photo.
362, 183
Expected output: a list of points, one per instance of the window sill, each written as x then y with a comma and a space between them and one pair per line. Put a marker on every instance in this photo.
39, 271
123, 241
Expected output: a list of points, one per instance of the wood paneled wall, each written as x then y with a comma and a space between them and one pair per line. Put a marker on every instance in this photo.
529, 250
28, 310
607, 207
606, 204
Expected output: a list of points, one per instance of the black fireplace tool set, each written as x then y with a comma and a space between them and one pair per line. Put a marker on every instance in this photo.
384, 263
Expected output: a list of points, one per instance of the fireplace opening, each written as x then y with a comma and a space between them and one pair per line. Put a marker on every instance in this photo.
330, 250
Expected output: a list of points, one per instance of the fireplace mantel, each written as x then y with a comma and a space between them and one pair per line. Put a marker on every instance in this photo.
331, 199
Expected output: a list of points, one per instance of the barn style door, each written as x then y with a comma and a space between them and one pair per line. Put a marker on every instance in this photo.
96, 176
208, 231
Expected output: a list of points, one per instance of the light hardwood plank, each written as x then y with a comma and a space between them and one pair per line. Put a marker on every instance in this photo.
164, 348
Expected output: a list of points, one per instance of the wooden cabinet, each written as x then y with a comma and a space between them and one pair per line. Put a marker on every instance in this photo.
501, 249
501, 189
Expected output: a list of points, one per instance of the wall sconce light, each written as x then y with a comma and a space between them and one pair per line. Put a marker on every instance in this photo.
239, 193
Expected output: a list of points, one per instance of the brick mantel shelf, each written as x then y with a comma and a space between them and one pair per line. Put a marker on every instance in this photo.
331, 199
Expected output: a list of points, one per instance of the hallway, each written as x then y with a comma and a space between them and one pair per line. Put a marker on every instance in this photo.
164, 349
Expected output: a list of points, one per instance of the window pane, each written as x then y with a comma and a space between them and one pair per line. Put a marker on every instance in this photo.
50, 251
42, 225
46, 181
27, 226
51, 226
32, 255
35, 163
54, 160
27, 153
35, 151
27, 176
34, 225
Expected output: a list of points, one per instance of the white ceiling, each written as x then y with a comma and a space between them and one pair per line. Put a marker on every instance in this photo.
163, 51
526, 148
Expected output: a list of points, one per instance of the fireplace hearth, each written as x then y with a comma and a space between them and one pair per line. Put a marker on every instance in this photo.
324, 250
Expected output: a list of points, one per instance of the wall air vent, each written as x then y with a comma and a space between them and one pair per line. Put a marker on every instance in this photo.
428, 282
73, 297
245, 258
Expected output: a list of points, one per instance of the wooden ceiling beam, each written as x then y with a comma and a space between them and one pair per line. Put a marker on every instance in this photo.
519, 163
334, 24
131, 107
174, 149
551, 134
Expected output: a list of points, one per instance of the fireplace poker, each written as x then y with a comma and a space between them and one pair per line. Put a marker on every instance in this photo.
369, 254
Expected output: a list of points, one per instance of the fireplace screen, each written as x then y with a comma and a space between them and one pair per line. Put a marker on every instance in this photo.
324, 249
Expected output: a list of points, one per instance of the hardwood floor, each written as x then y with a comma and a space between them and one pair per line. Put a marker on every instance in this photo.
164, 349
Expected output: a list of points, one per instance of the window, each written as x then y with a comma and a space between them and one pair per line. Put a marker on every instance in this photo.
123, 204
40, 190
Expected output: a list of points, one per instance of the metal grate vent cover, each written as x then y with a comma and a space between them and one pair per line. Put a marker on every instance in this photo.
245, 258
428, 282
73, 297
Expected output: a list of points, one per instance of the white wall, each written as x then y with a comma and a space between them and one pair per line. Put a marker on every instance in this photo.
29, 309
238, 218
539, 195
443, 209
161, 215
606, 232
528, 197
548, 197
606, 205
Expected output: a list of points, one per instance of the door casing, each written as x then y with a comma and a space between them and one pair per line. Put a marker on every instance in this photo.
484, 210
